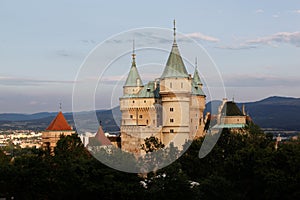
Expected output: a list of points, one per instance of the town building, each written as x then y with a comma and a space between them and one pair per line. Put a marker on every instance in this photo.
169, 108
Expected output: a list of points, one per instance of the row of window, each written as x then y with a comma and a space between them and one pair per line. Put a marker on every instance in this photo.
144, 101
171, 85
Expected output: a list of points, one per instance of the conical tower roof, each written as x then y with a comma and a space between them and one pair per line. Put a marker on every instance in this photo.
100, 137
175, 66
59, 123
196, 84
196, 77
133, 76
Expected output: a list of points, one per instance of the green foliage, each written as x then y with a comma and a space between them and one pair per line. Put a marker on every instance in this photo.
152, 144
239, 167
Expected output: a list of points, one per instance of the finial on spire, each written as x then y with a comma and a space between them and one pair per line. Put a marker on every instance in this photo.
196, 63
60, 106
133, 51
174, 29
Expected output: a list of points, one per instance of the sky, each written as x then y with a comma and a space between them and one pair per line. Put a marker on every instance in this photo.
44, 45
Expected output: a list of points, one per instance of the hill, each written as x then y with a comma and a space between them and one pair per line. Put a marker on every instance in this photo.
273, 112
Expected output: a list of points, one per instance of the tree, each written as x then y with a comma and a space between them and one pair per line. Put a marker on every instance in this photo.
152, 144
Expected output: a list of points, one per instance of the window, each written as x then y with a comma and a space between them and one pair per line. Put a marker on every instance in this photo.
191, 120
144, 101
171, 130
170, 85
132, 101
171, 120
153, 121
181, 85
171, 109
141, 116
147, 121
131, 116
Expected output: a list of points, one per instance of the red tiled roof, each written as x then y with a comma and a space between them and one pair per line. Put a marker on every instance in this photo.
100, 137
59, 123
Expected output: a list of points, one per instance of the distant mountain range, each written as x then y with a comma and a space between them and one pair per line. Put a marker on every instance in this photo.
273, 112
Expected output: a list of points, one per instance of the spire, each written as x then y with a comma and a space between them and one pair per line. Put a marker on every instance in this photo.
196, 77
60, 109
133, 52
174, 33
175, 66
197, 84
133, 79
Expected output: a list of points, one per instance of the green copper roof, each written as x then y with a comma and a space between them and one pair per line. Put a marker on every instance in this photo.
175, 66
196, 89
218, 126
133, 75
148, 91
196, 77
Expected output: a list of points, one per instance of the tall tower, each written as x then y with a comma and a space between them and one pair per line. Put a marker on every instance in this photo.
175, 91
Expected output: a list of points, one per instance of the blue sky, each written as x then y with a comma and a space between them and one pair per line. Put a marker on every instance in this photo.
255, 45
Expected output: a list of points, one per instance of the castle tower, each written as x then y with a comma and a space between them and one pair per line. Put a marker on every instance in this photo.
175, 91
140, 111
197, 106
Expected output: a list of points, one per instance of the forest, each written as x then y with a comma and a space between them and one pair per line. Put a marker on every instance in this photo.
240, 166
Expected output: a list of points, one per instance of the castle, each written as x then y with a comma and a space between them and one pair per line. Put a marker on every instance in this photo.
169, 108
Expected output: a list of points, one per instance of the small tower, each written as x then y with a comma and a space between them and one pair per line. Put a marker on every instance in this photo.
133, 82
197, 106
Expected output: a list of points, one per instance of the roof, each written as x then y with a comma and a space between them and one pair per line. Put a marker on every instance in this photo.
231, 109
148, 91
196, 77
196, 90
218, 126
100, 137
196, 83
59, 123
133, 75
175, 66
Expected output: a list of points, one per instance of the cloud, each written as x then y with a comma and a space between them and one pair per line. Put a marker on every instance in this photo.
63, 53
18, 81
292, 38
275, 16
151, 37
201, 36
296, 11
259, 11
236, 47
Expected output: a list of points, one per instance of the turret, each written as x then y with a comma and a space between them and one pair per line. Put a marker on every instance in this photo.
133, 82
